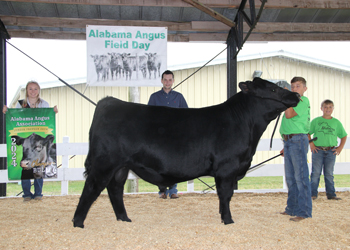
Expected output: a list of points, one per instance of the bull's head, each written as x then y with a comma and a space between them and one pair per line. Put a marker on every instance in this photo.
35, 150
151, 56
125, 56
96, 59
261, 88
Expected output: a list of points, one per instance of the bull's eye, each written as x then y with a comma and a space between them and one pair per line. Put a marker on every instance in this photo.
38, 148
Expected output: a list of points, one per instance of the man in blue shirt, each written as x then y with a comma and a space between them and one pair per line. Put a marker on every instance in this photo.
168, 98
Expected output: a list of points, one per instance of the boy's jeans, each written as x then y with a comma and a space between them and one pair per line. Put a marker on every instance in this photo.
171, 190
325, 160
297, 176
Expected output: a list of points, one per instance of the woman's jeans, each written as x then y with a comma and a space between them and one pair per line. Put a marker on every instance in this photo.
297, 176
38, 187
323, 160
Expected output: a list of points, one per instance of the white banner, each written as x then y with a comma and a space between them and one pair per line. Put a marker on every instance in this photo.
126, 56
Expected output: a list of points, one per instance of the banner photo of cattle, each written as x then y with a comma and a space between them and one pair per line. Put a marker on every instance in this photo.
125, 56
31, 143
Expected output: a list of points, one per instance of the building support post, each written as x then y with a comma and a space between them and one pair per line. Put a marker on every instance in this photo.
3, 100
231, 64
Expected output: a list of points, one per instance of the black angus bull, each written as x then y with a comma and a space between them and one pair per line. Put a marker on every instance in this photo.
165, 145
39, 156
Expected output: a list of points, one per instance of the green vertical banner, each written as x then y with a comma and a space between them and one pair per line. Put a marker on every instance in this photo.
31, 143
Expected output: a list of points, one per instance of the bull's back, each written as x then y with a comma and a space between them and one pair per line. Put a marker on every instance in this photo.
165, 129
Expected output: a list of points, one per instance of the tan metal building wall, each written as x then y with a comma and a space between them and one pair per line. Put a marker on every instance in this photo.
206, 88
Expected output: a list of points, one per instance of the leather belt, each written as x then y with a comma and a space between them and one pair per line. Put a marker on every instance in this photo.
325, 148
287, 137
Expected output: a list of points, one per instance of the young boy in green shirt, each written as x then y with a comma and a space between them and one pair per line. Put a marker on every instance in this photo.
324, 151
294, 131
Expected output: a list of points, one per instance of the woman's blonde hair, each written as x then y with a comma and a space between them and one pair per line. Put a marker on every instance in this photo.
25, 101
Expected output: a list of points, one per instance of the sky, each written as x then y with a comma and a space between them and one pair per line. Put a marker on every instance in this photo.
66, 59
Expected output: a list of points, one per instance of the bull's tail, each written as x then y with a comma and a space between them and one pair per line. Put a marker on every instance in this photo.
87, 166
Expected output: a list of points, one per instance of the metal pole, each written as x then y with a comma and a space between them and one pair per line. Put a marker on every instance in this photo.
3, 99
231, 64
232, 71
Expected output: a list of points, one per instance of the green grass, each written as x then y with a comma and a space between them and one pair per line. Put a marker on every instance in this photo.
76, 187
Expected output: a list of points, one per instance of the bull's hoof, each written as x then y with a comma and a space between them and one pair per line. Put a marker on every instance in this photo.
128, 220
81, 225
124, 219
230, 221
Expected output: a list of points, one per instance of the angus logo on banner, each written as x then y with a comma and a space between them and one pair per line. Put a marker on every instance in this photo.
126, 56
31, 143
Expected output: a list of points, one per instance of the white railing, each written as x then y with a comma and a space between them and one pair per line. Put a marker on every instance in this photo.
67, 149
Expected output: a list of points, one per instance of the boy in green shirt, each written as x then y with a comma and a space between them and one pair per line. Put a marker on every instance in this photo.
294, 131
324, 151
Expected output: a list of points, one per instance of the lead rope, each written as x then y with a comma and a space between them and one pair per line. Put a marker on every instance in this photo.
239, 49
274, 130
202, 67
52, 74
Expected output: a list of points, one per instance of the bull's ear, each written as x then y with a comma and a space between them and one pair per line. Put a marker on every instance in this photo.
19, 140
244, 87
257, 79
49, 139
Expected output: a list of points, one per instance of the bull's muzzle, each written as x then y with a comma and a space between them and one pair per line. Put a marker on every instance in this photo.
25, 165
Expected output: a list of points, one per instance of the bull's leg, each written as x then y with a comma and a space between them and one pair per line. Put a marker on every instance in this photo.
224, 188
92, 189
162, 189
112, 73
128, 73
115, 190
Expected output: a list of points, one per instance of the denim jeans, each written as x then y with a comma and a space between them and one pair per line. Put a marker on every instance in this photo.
297, 176
323, 160
171, 190
38, 187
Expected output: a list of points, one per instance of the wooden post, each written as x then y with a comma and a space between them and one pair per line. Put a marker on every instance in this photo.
132, 185
190, 186
65, 165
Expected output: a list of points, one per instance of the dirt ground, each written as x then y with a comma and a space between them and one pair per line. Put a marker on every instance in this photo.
190, 222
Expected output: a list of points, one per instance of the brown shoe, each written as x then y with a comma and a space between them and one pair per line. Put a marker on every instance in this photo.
297, 218
38, 198
314, 197
26, 199
284, 213
162, 195
334, 198
174, 196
